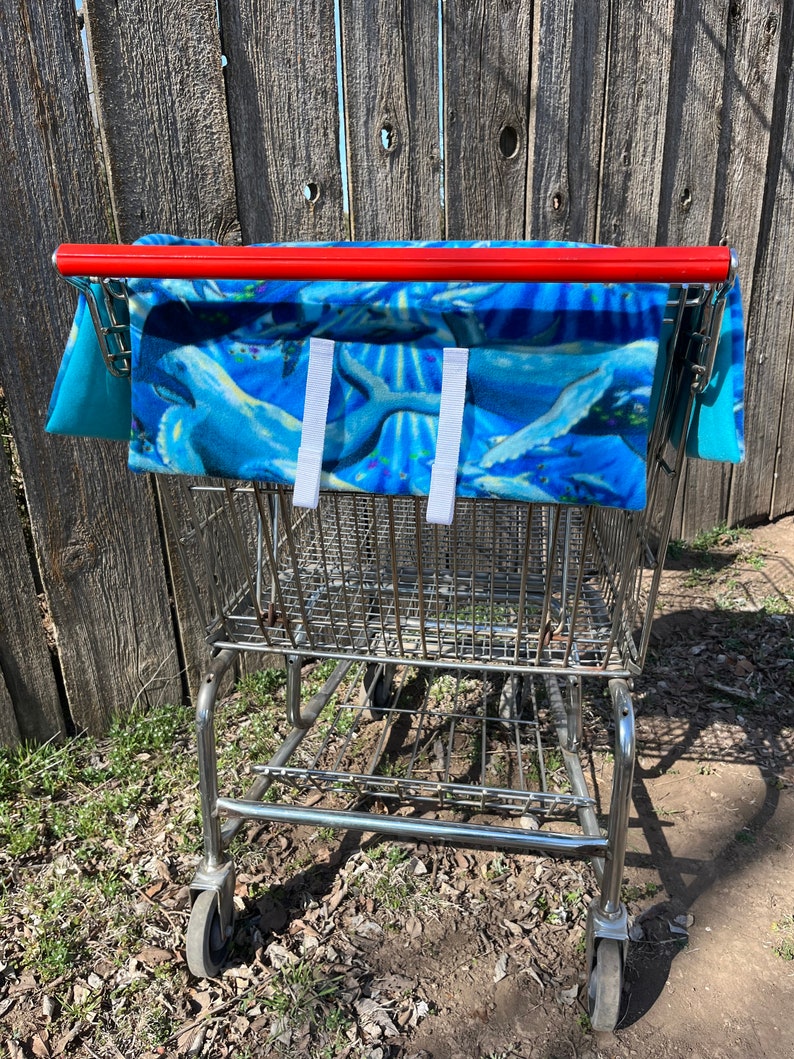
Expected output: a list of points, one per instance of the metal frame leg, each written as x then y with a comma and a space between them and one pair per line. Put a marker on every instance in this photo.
294, 719
216, 871
573, 714
608, 918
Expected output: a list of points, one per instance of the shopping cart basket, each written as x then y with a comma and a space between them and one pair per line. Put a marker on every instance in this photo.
514, 601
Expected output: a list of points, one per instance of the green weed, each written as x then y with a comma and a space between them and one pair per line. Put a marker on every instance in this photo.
785, 947
719, 537
775, 605
259, 689
631, 892
676, 548
301, 992
699, 575
497, 868
442, 687
397, 768
392, 855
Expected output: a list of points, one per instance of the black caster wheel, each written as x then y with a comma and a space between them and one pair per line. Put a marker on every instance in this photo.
377, 687
605, 985
206, 947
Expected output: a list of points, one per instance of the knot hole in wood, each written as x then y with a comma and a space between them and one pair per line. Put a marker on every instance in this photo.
508, 142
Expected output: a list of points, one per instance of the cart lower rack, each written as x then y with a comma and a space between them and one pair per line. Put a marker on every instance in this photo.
454, 710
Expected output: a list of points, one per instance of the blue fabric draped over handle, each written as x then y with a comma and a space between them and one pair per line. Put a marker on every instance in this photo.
87, 400
716, 428
558, 401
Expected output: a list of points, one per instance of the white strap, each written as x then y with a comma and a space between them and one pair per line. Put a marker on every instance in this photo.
443, 477
315, 414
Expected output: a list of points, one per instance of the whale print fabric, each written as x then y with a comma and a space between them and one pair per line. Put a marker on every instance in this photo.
557, 394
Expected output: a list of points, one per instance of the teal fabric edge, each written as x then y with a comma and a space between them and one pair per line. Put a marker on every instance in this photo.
715, 431
716, 428
87, 401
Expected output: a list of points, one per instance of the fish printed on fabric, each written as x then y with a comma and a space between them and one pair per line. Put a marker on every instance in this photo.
557, 397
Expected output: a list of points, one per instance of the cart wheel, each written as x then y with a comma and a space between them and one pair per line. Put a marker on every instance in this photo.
205, 946
377, 688
605, 985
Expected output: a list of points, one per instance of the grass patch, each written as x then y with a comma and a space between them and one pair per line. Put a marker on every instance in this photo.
785, 946
631, 892
258, 689
776, 605
256, 713
720, 536
305, 1001
88, 790
391, 881
700, 576
66, 816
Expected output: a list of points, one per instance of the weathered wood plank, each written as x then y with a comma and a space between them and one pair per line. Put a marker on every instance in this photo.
637, 86
486, 60
566, 117
169, 159
159, 91
691, 131
638, 77
30, 706
761, 173
93, 525
783, 477
9, 729
390, 62
690, 170
772, 312
283, 110
716, 492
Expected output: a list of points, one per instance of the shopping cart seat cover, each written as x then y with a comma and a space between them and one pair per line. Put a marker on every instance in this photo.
559, 382
558, 391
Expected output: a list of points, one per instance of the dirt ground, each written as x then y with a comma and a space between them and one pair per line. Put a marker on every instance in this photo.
346, 946
711, 845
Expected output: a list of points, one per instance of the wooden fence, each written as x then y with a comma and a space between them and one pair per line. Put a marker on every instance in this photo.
662, 121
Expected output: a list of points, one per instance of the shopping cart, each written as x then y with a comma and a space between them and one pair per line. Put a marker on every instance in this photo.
512, 604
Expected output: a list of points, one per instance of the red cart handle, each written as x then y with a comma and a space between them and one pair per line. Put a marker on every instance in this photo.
352, 261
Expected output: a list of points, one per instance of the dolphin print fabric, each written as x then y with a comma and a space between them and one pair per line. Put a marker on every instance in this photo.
558, 397
557, 393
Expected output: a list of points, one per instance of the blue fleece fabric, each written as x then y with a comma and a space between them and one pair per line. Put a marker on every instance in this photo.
87, 400
559, 382
559, 391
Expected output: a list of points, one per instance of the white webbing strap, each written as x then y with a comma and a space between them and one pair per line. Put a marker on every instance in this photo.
315, 414
443, 477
